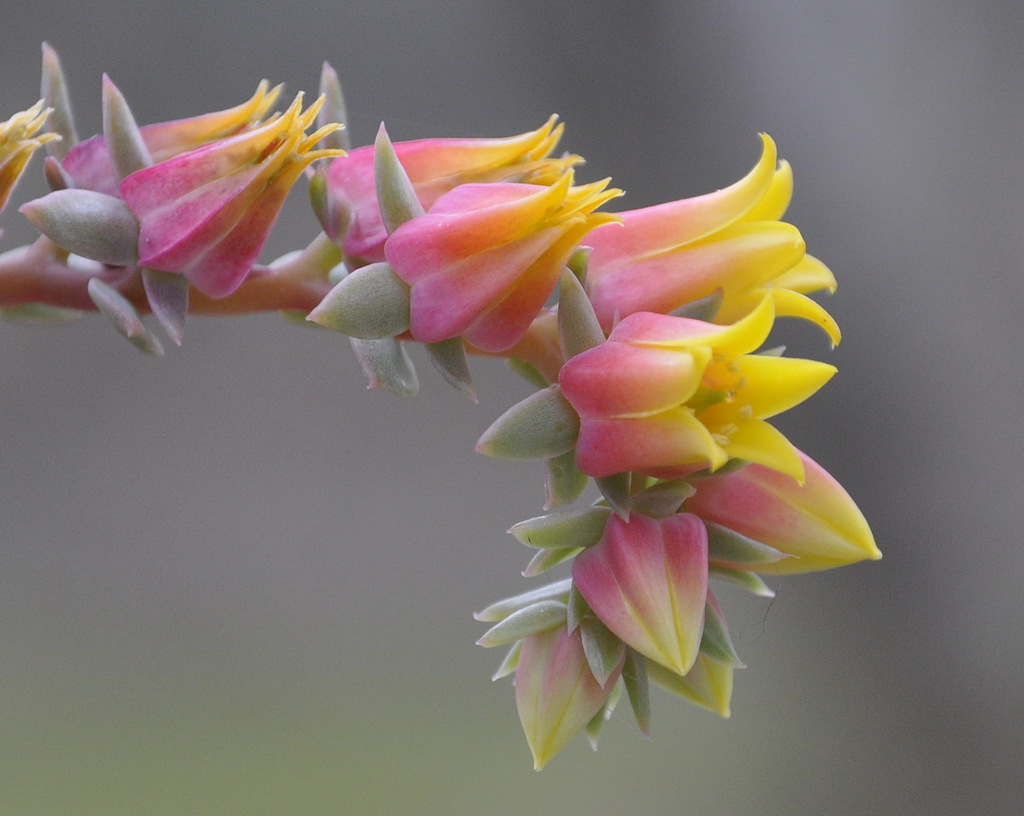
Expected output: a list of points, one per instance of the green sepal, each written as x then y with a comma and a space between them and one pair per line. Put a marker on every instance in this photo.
542, 426
370, 303
715, 641
83, 222
333, 110
615, 489
449, 358
563, 480
578, 608
510, 663
638, 688
663, 498
167, 293
563, 529
39, 314
596, 725
395, 194
578, 263
499, 610
56, 176
386, 365
604, 650
749, 581
729, 548
578, 329
546, 559
128, 152
528, 372
119, 311
539, 617
54, 91
705, 308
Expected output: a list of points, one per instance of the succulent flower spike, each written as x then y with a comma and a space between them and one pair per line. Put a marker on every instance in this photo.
485, 257
665, 393
19, 139
436, 166
817, 522
660, 258
207, 212
89, 164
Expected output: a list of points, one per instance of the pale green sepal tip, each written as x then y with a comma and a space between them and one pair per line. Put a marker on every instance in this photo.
528, 372
39, 314
715, 641
449, 358
318, 196
539, 617
395, 194
638, 689
746, 580
167, 293
128, 152
83, 222
542, 426
510, 663
604, 651
663, 499
333, 110
615, 489
562, 529
578, 328
563, 480
54, 91
499, 610
704, 308
578, 262
119, 311
370, 303
386, 365
596, 725
578, 608
730, 547
546, 559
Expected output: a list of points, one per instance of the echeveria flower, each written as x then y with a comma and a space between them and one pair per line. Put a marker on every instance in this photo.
434, 167
663, 257
19, 139
89, 164
556, 692
483, 260
666, 393
647, 581
207, 212
816, 522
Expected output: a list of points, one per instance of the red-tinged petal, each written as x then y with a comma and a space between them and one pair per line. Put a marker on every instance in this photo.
556, 693
816, 522
647, 581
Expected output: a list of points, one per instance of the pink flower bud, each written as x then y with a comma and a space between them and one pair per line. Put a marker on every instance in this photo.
484, 259
647, 581
207, 212
435, 166
816, 522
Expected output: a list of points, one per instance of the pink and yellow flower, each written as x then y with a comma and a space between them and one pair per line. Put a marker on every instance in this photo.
435, 166
206, 213
816, 522
89, 164
484, 259
663, 257
647, 581
19, 139
669, 394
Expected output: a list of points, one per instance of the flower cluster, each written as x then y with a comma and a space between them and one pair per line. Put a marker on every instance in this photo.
645, 333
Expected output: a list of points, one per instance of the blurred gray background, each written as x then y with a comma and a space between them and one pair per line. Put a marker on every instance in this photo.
232, 581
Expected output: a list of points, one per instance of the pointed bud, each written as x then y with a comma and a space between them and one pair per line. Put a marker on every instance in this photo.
563, 481
531, 620
395, 194
386, 365
546, 559
55, 94
128, 152
647, 581
542, 426
556, 693
604, 651
634, 677
715, 641
502, 609
93, 225
749, 581
370, 303
116, 308
167, 293
563, 529
449, 358
333, 110
578, 329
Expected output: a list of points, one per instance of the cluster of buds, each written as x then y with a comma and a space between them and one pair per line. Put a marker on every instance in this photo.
645, 333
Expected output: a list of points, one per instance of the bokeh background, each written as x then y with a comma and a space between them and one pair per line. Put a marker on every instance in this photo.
232, 581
